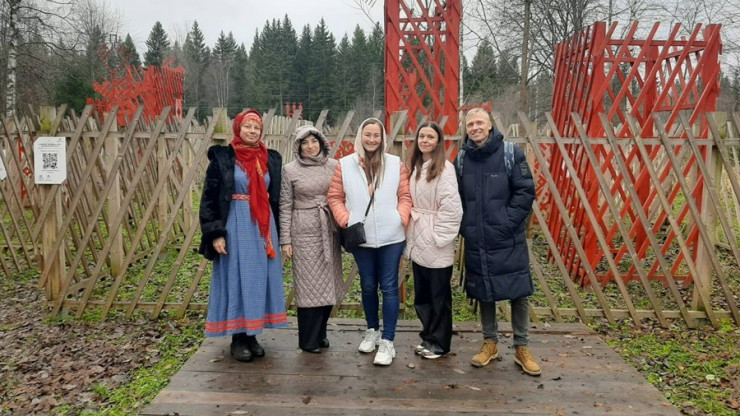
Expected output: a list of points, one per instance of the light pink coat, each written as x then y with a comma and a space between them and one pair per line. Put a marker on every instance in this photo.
435, 218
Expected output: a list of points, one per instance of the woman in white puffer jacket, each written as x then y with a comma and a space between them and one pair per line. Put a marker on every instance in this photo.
430, 238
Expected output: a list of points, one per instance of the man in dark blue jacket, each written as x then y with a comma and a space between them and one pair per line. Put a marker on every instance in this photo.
497, 199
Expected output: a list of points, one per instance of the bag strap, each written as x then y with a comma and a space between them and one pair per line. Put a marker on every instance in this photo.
372, 197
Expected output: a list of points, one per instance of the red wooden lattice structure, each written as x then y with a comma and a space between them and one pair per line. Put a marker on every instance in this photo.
293, 107
128, 87
422, 60
596, 73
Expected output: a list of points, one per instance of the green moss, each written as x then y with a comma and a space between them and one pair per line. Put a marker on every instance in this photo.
692, 367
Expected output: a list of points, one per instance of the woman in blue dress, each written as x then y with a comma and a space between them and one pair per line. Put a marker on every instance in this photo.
238, 209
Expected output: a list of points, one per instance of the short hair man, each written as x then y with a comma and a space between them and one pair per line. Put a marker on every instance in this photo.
497, 199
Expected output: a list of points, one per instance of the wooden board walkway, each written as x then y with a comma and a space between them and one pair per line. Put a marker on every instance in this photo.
581, 376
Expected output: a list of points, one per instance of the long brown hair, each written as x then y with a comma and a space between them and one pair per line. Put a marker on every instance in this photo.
373, 164
416, 159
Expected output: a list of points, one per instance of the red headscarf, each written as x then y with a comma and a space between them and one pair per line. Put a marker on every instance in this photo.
253, 161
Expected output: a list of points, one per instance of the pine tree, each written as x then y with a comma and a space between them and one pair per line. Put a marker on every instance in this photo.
322, 73
73, 87
483, 79
508, 70
376, 48
196, 58
129, 53
286, 56
274, 63
157, 46
94, 67
467, 76
343, 92
359, 62
303, 63
268, 66
258, 97
240, 98
223, 61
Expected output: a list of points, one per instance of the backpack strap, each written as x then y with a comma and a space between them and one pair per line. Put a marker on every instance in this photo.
508, 157
459, 161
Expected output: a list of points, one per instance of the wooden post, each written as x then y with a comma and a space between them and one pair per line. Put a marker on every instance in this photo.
397, 147
709, 220
187, 158
13, 159
163, 197
110, 154
51, 222
222, 124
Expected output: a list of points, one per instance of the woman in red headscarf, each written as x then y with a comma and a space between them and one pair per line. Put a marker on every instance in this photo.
238, 212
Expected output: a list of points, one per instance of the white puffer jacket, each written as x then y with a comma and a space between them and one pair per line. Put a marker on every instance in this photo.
435, 218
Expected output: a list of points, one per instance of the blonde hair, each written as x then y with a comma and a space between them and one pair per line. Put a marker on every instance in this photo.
475, 111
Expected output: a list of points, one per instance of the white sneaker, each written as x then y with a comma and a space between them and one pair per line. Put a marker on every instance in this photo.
370, 341
386, 353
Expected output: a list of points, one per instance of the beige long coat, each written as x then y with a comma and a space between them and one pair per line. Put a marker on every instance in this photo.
306, 223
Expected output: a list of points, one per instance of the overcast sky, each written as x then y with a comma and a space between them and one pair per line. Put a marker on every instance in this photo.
242, 18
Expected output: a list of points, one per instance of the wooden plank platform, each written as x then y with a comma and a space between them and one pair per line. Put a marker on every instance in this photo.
581, 376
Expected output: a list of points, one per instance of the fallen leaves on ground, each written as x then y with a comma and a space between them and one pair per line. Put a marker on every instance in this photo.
45, 365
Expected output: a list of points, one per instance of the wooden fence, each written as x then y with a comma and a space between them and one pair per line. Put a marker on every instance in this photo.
120, 235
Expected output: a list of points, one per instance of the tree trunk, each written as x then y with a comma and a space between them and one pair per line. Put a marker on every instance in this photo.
10, 90
525, 57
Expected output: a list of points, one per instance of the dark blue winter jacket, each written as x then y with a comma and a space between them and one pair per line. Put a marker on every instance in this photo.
495, 209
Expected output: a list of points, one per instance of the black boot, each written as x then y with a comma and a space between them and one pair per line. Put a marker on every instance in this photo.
239, 349
324, 343
255, 347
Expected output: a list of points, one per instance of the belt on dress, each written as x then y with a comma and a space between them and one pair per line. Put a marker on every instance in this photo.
240, 197
326, 223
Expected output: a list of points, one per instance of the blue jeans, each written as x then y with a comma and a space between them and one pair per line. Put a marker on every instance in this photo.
379, 267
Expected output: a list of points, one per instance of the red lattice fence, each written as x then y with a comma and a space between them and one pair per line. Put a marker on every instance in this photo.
602, 79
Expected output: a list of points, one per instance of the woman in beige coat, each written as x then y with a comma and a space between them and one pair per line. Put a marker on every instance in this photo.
430, 238
308, 236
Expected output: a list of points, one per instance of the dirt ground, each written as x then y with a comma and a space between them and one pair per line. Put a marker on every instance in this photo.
66, 365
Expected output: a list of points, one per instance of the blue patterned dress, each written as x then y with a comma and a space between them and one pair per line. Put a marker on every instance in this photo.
246, 286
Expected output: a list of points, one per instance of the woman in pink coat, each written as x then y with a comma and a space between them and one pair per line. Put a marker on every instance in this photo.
430, 238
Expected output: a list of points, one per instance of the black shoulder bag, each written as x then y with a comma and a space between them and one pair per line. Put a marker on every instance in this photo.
354, 235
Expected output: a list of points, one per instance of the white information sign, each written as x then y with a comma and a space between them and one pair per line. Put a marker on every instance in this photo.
50, 160
3, 172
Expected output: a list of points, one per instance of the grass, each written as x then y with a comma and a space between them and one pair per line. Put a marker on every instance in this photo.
173, 351
167, 357
698, 370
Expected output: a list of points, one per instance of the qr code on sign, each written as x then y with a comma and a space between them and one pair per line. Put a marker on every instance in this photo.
50, 160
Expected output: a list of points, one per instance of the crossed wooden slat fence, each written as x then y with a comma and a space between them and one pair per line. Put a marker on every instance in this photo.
119, 236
